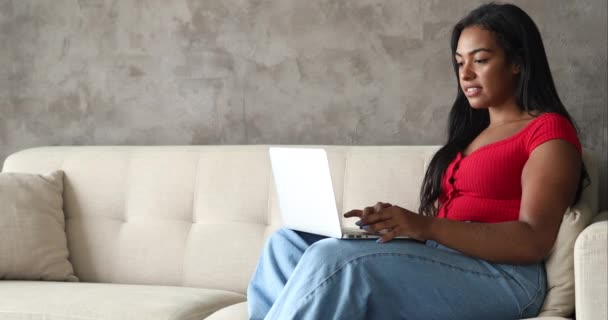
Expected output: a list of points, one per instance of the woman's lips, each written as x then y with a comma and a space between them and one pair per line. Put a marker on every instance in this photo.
472, 91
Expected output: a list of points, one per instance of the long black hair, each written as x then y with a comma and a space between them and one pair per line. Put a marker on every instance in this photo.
521, 41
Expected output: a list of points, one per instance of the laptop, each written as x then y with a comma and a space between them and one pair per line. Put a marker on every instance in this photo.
306, 195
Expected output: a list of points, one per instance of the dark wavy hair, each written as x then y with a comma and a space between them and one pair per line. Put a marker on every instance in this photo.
521, 41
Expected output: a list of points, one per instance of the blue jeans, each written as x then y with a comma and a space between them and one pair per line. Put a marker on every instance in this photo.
306, 276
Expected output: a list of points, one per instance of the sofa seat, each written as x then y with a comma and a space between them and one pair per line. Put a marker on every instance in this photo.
234, 312
33, 300
239, 312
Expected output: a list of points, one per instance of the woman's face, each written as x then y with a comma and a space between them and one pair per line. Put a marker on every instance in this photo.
485, 77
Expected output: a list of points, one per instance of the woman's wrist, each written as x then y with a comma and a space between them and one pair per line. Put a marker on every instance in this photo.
429, 228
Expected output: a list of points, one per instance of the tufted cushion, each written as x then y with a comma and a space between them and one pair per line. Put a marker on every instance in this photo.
179, 216
193, 215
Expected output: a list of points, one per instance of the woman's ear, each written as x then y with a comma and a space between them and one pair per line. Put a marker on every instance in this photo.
515, 69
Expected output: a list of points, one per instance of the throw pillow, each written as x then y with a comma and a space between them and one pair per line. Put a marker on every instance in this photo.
559, 300
33, 243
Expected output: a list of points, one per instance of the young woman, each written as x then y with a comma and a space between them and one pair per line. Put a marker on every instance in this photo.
492, 202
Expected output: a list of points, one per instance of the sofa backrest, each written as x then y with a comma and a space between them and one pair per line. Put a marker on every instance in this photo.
198, 216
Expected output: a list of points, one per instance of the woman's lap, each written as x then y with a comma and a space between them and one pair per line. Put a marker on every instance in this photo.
360, 279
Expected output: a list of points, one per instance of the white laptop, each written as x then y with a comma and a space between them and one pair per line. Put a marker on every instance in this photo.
306, 195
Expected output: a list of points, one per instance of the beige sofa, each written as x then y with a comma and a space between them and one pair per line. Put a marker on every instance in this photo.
174, 232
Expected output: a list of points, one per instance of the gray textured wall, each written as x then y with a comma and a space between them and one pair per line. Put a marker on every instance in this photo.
94, 72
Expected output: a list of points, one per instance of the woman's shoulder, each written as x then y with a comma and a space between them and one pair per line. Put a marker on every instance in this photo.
548, 126
551, 117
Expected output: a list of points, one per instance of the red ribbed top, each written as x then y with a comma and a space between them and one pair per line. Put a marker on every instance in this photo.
485, 186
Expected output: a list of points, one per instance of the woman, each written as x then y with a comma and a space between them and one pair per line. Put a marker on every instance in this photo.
492, 201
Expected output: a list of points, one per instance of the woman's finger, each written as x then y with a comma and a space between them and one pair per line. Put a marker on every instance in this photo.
381, 205
390, 235
378, 206
383, 225
382, 215
353, 213
367, 211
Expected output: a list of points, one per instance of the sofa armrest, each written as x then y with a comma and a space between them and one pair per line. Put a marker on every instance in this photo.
590, 275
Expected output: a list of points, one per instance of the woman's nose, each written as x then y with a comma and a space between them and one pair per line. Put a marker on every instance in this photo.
466, 72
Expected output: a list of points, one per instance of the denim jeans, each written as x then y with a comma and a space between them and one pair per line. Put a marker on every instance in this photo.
307, 276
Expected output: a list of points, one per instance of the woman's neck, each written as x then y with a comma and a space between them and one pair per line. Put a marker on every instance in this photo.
503, 116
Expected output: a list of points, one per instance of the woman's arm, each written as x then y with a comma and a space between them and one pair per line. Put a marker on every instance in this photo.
549, 183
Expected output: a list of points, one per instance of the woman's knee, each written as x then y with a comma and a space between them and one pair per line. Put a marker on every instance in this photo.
324, 251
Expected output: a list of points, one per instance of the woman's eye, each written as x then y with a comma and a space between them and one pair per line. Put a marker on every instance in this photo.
481, 60
459, 64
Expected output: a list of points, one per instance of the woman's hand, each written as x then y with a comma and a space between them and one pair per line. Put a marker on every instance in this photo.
368, 210
396, 220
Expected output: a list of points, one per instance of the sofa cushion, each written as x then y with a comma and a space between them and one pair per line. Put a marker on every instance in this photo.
234, 312
35, 300
559, 300
33, 243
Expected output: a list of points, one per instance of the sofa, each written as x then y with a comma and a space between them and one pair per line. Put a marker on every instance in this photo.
175, 232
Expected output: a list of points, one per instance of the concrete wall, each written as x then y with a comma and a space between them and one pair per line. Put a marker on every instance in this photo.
103, 72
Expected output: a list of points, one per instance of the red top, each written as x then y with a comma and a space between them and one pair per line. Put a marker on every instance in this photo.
485, 186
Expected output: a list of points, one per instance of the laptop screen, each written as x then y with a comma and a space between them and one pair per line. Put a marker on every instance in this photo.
305, 191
